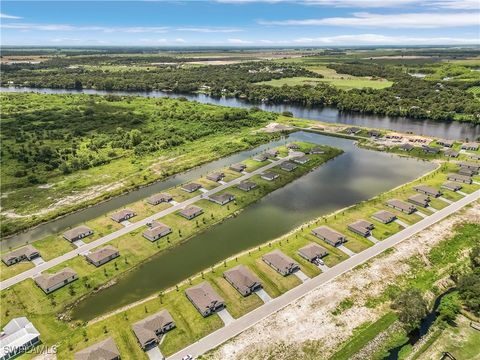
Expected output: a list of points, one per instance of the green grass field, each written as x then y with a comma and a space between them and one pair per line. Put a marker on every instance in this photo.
341, 83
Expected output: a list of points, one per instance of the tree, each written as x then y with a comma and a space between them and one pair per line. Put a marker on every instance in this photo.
411, 308
469, 290
475, 256
449, 307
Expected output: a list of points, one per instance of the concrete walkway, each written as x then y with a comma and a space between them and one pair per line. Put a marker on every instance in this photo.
346, 250
263, 295
432, 209
372, 239
123, 231
401, 223
248, 320
37, 261
78, 243
323, 267
461, 193
225, 316
301, 275
419, 213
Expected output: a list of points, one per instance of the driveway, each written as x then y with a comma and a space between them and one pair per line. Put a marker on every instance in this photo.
372, 239
401, 223
346, 250
446, 200
225, 316
154, 354
301, 275
37, 261
419, 213
323, 267
262, 294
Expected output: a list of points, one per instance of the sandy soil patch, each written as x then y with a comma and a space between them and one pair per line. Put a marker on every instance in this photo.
311, 318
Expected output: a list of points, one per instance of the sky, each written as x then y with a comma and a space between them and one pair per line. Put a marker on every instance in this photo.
242, 23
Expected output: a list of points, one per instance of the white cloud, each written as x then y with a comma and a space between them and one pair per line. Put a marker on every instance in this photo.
446, 4
239, 41
209, 30
180, 40
67, 27
5, 16
377, 39
409, 20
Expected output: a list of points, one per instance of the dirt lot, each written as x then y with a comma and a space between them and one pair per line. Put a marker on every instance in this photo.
311, 318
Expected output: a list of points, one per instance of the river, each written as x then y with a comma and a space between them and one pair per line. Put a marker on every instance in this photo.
356, 175
448, 130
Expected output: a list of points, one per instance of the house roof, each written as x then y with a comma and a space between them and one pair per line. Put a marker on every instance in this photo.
452, 185
428, 189
459, 177
406, 147
384, 215
451, 152
156, 229
203, 295
191, 186
246, 184
191, 210
287, 165
145, 330
362, 226
400, 204
279, 260
242, 277
292, 146
222, 197
119, 215
328, 233
238, 166
27, 251
269, 174
77, 231
312, 251
469, 164
420, 198
46, 281
103, 350
302, 159
216, 175
102, 253
160, 197
16, 333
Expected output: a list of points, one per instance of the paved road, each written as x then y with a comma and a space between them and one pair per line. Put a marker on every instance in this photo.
241, 324
133, 226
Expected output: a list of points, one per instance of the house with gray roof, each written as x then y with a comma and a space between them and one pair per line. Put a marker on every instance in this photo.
151, 328
474, 156
452, 186
374, 133
242, 279
459, 178
301, 160
467, 172
51, 282
312, 252
353, 130
385, 217
406, 147
27, 252
216, 176
420, 200
471, 146
361, 227
445, 143
283, 264
77, 233
430, 149
273, 153
123, 215
401, 206
191, 212
292, 146
18, 336
221, 199
156, 231
159, 198
103, 350
288, 166
316, 150
205, 298
451, 153
246, 185
269, 175
191, 187
238, 167
428, 190
102, 256
469, 165
260, 157
329, 235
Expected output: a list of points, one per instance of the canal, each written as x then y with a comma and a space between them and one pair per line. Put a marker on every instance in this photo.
356, 175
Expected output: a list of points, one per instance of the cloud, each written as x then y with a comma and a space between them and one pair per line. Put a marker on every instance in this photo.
209, 30
67, 27
407, 20
445, 4
239, 41
180, 40
5, 16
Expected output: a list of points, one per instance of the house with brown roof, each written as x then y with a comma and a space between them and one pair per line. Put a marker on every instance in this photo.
156, 231
451, 153
361, 227
329, 235
452, 186
238, 167
77, 233
445, 143
459, 178
216, 176
221, 199
103, 350
123, 215
242, 279
420, 200
191, 187
283, 264
205, 298
27, 252
385, 217
273, 153
191, 212
428, 190
269, 175
401, 206
292, 146
246, 185
471, 146
288, 166
151, 328
159, 198
51, 282
301, 160
312, 252
102, 256
260, 157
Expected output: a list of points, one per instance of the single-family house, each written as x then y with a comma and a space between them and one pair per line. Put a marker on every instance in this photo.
312, 252
191, 187
18, 336
242, 279
361, 227
216, 176
384, 216
51, 282
467, 172
191, 212
77, 233
27, 252
316, 150
260, 157
474, 156
123, 215
205, 298
292, 146
301, 160
374, 133
103, 255
428, 190
451, 153
272, 153
471, 146
151, 328
453, 186
246, 185
156, 231
269, 175
159, 198
329, 235
283, 264
221, 199
459, 178
401, 206
420, 200
353, 130
288, 166
430, 149
406, 147
103, 350
445, 143
469, 165
238, 167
